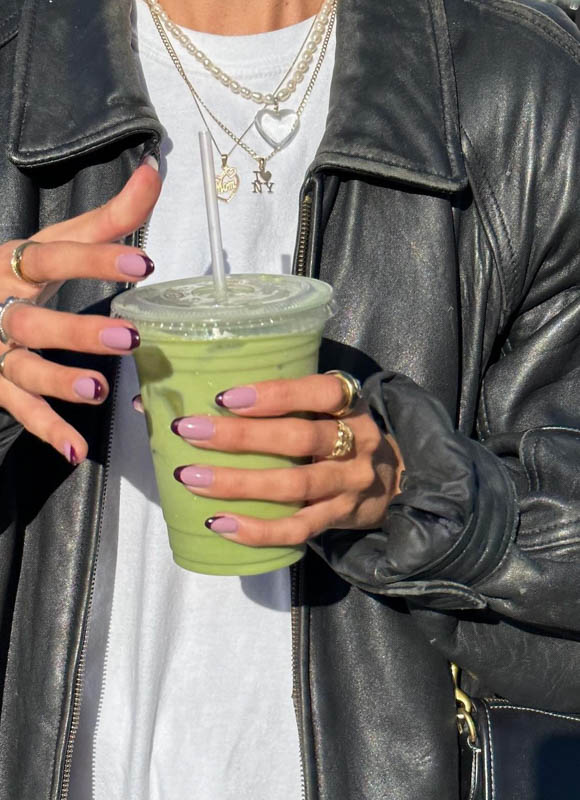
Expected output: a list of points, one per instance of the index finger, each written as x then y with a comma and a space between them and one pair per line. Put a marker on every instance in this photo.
322, 394
120, 216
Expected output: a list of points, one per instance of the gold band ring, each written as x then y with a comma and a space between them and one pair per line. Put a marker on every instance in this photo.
344, 441
7, 353
351, 390
16, 263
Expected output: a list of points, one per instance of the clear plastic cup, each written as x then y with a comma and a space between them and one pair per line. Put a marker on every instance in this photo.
192, 348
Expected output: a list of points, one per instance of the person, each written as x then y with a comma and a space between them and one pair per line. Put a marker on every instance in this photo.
422, 157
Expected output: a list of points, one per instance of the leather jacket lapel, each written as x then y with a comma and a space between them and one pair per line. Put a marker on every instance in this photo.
393, 105
63, 107
393, 109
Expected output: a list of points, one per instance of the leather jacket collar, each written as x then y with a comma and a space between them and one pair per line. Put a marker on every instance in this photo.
51, 123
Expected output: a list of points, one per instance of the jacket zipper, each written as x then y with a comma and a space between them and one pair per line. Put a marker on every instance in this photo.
80, 674
296, 687
304, 226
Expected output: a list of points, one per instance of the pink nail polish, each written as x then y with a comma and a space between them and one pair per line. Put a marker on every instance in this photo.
195, 428
70, 454
222, 524
194, 476
135, 265
120, 338
240, 397
88, 388
137, 403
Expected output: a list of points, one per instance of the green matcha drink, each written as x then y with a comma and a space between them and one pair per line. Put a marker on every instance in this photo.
193, 347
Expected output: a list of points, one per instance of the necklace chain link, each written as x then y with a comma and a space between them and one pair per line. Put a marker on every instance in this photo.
160, 19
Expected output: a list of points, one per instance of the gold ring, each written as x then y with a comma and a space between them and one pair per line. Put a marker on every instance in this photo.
351, 390
344, 441
16, 263
7, 353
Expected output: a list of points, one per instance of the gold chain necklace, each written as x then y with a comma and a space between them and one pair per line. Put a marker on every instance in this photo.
228, 180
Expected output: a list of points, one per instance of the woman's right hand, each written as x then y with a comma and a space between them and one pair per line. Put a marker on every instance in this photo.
82, 247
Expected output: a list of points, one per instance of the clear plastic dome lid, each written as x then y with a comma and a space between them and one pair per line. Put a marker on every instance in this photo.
256, 304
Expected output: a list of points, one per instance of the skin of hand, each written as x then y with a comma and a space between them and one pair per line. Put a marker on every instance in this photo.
82, 247
348, 492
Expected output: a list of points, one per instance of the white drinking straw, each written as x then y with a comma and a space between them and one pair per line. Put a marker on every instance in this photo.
213, 217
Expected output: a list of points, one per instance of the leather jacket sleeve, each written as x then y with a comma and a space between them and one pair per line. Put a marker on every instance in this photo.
478, 524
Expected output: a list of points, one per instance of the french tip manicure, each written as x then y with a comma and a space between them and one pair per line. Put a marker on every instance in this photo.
120, 338
175, 425
89, 388
70, 454
149, 265
222, 524
135, 265
238, 397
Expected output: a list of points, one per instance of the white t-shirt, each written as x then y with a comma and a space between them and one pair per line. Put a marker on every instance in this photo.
195, 698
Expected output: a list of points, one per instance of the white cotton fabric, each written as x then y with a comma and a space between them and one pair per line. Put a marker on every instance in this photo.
196, 702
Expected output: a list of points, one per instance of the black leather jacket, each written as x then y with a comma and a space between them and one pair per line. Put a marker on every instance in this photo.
443, 206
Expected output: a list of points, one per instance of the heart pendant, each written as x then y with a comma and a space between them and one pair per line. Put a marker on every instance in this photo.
278, 128
227, 182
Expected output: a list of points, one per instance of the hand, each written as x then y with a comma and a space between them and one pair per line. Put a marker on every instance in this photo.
349, 492
78, 248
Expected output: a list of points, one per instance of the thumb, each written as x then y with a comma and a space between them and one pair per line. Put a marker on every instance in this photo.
120, 216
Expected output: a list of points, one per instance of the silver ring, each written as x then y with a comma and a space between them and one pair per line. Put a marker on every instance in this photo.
351, 389
7, 353
10, 301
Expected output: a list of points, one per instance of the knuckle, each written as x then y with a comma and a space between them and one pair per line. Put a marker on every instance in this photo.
298, 485
312, 438
365, 476
19, 321
238, 434
346, 505
301, 531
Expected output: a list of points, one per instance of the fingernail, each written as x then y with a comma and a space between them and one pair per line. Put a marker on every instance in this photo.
194, 476
138, 404
198, 428
135, 265
70, 454
151, 161
88, 388
120, 338
222, 524
240, 397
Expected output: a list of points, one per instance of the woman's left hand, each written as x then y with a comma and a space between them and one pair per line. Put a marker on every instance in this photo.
352, 491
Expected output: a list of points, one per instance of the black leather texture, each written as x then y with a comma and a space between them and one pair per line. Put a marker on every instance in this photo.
524, 753
445, 214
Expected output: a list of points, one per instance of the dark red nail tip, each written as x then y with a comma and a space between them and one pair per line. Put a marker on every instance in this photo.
135, 338
99, 389
210, 521
219, 399
149, 265
174, 425
177, 473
